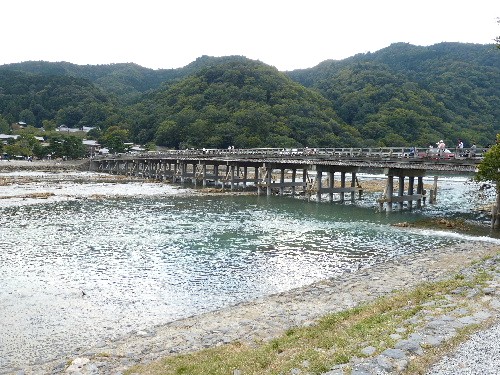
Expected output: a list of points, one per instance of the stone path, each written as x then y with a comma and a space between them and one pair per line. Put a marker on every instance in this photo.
432, 327
269, 317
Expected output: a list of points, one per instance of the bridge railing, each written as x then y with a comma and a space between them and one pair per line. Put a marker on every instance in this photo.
320, 153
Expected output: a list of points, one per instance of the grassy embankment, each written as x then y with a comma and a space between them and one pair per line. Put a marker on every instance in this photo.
335, 339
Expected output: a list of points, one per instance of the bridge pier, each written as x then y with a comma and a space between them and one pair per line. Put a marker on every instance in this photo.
400, 173
319, 189
268, 182
331, 189
245, 176
331, 183
282, 181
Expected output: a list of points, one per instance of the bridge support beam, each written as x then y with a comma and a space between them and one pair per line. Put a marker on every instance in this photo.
269, 183
389, 198
282, 181
331, 189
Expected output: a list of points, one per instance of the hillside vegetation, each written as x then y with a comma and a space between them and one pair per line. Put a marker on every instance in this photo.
405, 94
402, 95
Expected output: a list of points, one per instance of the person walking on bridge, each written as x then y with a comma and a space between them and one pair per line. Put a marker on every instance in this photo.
460, 148
441, 147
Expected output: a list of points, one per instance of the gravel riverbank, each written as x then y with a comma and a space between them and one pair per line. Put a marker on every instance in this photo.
478, 355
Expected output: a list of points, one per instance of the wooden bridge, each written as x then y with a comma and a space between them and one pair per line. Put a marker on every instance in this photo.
299, 171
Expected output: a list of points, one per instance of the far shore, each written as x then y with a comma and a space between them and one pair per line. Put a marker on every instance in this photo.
49, 165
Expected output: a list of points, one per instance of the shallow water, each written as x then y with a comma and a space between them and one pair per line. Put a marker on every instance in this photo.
147, 254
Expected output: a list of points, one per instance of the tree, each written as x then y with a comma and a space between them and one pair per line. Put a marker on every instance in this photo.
4, 125
69, 146
49, 125
168, 134
69, 116
114, 139
25, 145
27, 116
489, 171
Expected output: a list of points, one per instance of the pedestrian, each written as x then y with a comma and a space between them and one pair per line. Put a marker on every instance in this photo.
472, 151
460, 148
441, 146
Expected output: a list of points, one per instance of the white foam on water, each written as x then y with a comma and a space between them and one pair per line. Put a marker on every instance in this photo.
453, 235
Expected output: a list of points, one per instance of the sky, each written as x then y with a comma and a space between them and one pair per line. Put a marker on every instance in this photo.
287, 34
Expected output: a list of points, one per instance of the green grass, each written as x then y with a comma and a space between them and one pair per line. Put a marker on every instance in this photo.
335, 339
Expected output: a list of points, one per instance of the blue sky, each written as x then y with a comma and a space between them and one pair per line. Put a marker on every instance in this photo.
288, 34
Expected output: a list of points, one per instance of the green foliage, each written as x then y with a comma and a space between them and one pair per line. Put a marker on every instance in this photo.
421, 94
26, 145
4, 126
32, 98
65, 146
49, 125
243, 104
489, 168
27, 116
114, 138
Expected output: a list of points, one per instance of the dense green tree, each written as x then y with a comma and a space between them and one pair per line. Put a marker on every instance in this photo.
114, 138
27, 117
65, 146
4, 126
49, 125
489, 171
26, 145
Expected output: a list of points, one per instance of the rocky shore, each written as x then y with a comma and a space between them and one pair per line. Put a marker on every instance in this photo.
269, 317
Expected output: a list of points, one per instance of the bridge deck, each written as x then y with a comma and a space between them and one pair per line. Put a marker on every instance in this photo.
465, 160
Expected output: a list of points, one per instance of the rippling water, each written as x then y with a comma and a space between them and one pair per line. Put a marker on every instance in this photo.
147, 260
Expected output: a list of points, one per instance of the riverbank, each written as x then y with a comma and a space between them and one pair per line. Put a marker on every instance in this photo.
266, 318
44, 165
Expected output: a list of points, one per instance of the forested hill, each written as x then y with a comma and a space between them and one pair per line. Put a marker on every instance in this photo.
241, 103
35, 98
408, 94
125, 81
400, 95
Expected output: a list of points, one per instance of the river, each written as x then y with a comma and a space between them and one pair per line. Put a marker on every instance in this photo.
95, 260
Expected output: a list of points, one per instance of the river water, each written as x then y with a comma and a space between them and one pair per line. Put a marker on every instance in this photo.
96, 261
